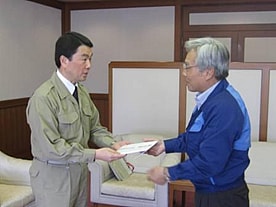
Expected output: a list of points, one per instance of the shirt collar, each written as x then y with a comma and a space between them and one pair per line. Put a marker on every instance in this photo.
70, 86
200, 98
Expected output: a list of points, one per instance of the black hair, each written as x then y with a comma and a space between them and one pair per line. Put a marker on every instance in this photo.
68, 44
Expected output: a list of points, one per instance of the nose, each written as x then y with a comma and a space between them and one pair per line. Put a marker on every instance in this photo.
88, 64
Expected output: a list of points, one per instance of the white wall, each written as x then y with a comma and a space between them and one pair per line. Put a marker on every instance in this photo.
28, 32
132, 34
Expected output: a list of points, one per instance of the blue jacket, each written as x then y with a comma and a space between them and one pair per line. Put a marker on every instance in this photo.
216, 140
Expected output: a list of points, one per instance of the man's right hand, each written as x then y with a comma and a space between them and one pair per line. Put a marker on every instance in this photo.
108, 154
157, 149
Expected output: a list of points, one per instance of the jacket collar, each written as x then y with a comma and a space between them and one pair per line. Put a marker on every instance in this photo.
61, 88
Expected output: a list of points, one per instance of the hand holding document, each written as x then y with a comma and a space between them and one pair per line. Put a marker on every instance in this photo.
136, 147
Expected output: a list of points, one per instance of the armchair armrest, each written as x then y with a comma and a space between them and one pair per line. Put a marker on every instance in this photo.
171, 159
100, 170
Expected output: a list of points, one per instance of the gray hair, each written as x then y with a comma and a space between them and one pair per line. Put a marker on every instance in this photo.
210, 53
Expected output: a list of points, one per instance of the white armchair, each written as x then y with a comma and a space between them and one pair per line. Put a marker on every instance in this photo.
15, 189
136, 190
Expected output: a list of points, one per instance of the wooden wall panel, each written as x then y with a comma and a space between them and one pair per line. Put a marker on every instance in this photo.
101, 102
15, 132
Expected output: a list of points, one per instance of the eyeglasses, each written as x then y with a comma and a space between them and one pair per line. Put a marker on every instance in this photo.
186, 66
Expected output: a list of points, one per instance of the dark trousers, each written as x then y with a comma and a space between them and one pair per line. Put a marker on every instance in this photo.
237, 197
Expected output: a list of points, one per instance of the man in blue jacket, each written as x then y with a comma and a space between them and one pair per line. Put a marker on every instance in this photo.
217, 137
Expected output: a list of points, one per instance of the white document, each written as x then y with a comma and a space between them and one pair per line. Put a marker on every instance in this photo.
136, 147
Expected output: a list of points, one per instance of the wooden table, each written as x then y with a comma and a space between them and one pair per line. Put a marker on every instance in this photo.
182, 186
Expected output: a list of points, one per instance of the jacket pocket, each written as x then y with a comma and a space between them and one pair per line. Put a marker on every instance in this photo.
87, 117
87, 111
68, 118
69, 125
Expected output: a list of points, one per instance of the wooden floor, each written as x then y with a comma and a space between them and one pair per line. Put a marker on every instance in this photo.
100, 205
189, 202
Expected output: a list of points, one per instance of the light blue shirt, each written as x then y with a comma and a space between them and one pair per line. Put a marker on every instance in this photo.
200, 98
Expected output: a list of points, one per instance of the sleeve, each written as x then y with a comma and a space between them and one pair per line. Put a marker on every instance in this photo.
177, 144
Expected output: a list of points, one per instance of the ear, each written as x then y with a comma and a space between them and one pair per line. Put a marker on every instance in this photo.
210, 73
63, 61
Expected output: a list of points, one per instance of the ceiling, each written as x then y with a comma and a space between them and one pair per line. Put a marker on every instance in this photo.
85, 4
75, 0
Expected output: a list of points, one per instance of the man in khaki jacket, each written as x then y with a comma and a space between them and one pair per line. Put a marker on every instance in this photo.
61, 127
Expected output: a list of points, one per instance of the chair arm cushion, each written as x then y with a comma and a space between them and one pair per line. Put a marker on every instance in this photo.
14, 171
262, 166
15, 195
171, 159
